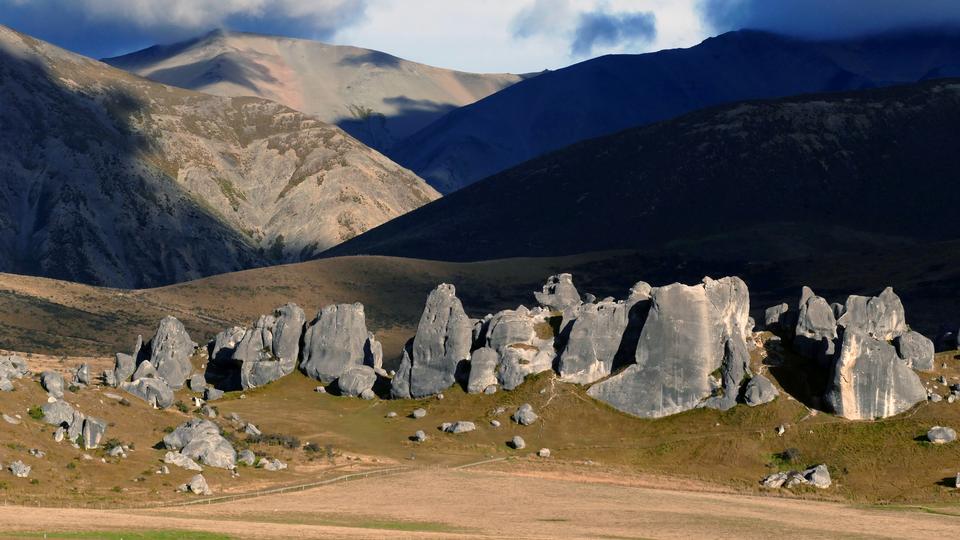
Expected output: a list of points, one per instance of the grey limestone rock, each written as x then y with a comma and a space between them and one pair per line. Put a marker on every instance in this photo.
270, 349
419, 413
524, 415
460, 426
691, 334
517, 443
152, 390
170, 352
775, 316
271, 465
82, 374
197, 383
123, 368
58, 413
816, 330
53, 383
443, 340
197, 485
598, 334
334, 342
880, 316
916, 350
420, 436
543, 452
93, 432
12, 367
759, 390
400, 385
201, 441
145, 370
247, 457
941, 435
524, 342
483, 370
212, 394
357, 380
373, 354
869, 380
225, 343
559, 293
20, 469
818, 477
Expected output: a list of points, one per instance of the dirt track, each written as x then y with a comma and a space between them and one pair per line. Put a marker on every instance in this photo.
471, 503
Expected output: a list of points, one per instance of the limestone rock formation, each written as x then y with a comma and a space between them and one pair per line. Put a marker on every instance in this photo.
600, 333
870, 381
916, 350
443, 340
249, 358
517, 443
152, 390
524, 341
525, 415
182, 461
690, 334
460, 426
93, 432
11, 367
170, 352
197, 485
559, 293
816, 330
335, 342
941, 435
881, 317
357, 380
775, 317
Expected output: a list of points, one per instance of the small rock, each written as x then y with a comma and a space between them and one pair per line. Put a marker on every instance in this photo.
934, 397
163, 470
116, 451
440, 396
544, 452
11, 420
525, 415
20, 469
460, 426
495, 423
518, 443
36, 452
774, 481
419, 413
490, 390
781, 429
111, 395
941, 435
951, 398
208, 411
251, 429
320, 390
180, 460
368, 394
420, 436
818, 477
271, 465
213, 394
391, 414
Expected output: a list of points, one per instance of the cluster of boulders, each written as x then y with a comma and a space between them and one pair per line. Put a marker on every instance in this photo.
11, 368
199, 442
73, 425
867, 347
156, 368
818, 477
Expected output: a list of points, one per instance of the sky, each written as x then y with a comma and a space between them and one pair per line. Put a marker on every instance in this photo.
517, 36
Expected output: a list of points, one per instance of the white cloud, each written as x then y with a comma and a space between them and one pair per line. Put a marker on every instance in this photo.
207, 13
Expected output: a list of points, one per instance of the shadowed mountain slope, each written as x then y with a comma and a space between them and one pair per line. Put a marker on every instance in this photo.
611, 93
374, 96
114, 180
755, 181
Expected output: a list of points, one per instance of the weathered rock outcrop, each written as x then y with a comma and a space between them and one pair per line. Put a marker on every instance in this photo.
197, 485
52, 382
601, 334
881, 317
443, 340
126, 364
776, 317
816, 330
759, 390
11, 368
870, 381
170, 352
691, 333
916, 350
249, 358
483, 370
201, 441
357, 381
559, 293
524, 342
152, 390
941, 435
335, 342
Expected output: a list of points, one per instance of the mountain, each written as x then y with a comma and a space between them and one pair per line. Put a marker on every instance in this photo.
376, 97
612, 93
115, 180
809, 176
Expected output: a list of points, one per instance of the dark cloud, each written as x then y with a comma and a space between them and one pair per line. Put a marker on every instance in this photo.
829, 18
100, 28
611, 29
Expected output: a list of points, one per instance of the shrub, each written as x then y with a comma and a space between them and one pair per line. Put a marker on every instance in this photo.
124, 402
274, 439
35, 412
73, 388
182, 407
312, 448
72, 465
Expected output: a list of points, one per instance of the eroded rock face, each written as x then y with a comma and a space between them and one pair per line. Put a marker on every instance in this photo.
870, 381
152, 390
200, 440
916, 350
443, 340
93, 432
881, 316
53, 383
483, 370
11, 367
334, 342
600, 334
690, 333
775, 317
170, 352
524, 342
816, 330
123, 368
759, 390
270, 349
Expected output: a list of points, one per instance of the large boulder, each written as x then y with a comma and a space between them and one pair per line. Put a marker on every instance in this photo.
400, 385
93, 432
145, 370
170, 351
58, 413
601, 334
154, 391
759, 390
691, 334
444, 339
335, 342
916, 350
816, 330
123, 367
200, 440
270, 349
775, 317
870, 381
881, 317
11, 367
357, 380
941, 435
559, 293
483, 370
197, 485
52, 382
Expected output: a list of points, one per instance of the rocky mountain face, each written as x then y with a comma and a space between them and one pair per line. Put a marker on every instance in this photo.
612, 93
811, 176
376, 97
115, 180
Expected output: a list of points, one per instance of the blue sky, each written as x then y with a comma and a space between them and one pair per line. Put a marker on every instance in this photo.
471, 35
